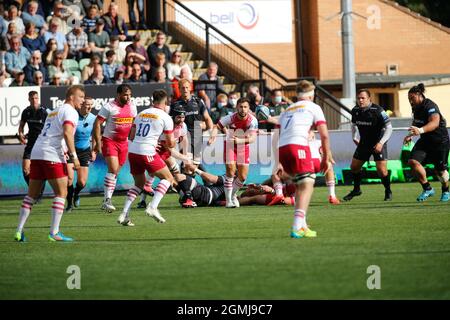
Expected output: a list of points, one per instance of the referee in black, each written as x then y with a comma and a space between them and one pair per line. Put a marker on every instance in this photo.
433, 145
34, 116
375, 129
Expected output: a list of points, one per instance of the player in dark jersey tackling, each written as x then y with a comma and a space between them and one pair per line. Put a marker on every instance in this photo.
210, 194
34, 116
375, 129
433, 145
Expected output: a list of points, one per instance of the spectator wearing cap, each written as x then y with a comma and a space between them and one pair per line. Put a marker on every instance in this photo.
90, 19
55, 33
32, 16
158, 46
136, 74
34, 65
60, 12
97, 77
78, 43
17, 57
99, 39
115, 23
13, 17
137, 50
19, 80
119, 51
32, 40
110, 66
209, 92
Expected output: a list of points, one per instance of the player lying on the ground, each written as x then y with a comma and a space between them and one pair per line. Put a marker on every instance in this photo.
264, 194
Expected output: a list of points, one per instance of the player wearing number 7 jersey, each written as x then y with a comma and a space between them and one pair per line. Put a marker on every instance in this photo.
148, 126
295, 154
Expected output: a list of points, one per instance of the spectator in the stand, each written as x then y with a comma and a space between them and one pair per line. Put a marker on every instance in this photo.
139, 53
60, 38
38, 79
13, 16
114, 23
19, 80
160, 63
97, 77
77, 40
118, 77
255, 97
87, 4
32, 40
56, 80
221, 108
132, 16
34, 65
209, 92
158, 46
60, 12
184, 74
3, 83
40, 8
32, 16
276, 105
160, 76
2, 26
17, 57
76, 3
110, 66
6, 39
128, 65
90, 19
114, 45
99, 39
52, 48
174, 66
136, 74
88, 69
57, 67
233, 97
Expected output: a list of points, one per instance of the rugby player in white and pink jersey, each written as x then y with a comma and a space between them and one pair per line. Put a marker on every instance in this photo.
148, 126
240, 129
295, 154
119, 115
48, 162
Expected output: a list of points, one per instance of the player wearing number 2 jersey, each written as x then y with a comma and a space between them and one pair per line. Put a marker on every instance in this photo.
295, 155
148, 126
48, 162
119, 115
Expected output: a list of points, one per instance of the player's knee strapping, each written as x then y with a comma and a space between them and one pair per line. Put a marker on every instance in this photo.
444, 177
304, 178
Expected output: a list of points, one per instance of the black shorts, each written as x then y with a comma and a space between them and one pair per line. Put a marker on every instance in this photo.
364, 152
27, 151
84, 156
425, 153
210, 195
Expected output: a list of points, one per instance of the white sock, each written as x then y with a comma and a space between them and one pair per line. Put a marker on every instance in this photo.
109, 185
57, 212
24, 212
278, 186
237, 184
228, 184
160, 191
131, 196
299, 219
331, 188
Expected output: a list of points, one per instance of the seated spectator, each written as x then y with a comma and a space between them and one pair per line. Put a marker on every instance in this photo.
174, 66
277, 105
90, 19
255, 97
136, 74
3, 77
118, 77
139, 53
40, 9
60, 38
160, 63
57, 67
160, 76
2, 26
32, 16
209, 92
221, 109
77, 40
97, 76
158, 46
110, 66
184, 74
114, 23
114, 45
77, 3
233, 97
17, 57
32, 40
19, 80
87, 4
60, 12
38, 79
34, 65
13, 16
99, 39
88, 70
52, 48
56, 80
6, 39
128, 65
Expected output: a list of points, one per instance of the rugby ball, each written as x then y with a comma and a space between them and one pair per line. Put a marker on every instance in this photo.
262, 112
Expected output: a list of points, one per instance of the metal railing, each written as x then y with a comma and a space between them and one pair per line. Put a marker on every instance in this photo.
237, 63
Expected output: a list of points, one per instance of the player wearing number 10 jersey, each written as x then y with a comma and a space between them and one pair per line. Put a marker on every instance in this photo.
148, 126
295, 155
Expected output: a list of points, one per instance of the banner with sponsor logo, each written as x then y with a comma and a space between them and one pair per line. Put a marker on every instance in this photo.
253, 21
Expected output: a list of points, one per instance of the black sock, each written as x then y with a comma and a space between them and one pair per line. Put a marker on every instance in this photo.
444, 188
426, 186
357, 181
386, 182
78, 189
70, 195
27, 178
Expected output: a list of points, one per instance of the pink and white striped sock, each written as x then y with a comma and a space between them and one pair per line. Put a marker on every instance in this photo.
299, 219
109, 185
278, 186
131, 196
237, 184
331, 188
149, 183
24, 212
57, 212
228, 184
160, 191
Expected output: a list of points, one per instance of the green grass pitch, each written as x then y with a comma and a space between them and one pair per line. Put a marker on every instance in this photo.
245, 253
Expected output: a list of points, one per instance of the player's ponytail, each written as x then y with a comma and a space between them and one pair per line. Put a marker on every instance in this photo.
418, 89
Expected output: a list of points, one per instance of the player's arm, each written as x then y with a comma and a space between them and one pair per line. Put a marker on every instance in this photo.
68, 129
213, 135
132, 133
202, 94
21, 133
208, 121
327, 158
97, 134
433, 124
386, 136
250, 138
355, 133
273, 120
169, 141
